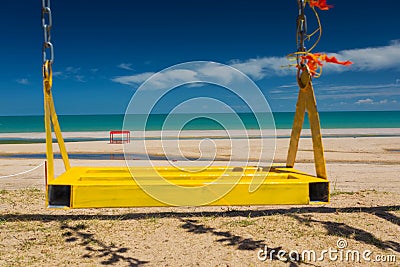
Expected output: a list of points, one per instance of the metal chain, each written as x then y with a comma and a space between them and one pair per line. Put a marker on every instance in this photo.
47, 23
301, 29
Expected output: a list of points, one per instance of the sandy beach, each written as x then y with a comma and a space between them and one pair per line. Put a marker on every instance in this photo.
357, 159
363, 168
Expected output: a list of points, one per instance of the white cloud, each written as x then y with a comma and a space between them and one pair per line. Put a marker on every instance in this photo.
23, 81
221, 73
125, 66
364, 59
277, 91
58, 74
170, 78
133, 79
259, 68
371, 58
369, 101
194, 74
344, 91
357, 87
195, 85
255, 68
72, 69
353, 91
364, 101
289, 85
73, 73
162, 79
80, 78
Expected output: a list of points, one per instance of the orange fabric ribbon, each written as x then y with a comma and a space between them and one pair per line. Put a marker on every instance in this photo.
321, 4
314, 61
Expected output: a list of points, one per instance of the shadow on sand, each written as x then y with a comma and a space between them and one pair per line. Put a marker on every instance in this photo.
112, 254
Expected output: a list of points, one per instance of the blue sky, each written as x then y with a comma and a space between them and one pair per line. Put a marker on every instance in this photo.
105, 49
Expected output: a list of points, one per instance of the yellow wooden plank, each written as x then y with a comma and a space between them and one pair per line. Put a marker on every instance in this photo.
282, 186
57, 131
313, 117
133, 196
49, 142
306, 102
296, 129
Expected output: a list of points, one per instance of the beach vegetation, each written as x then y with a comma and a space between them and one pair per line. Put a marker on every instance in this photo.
240, 223
394, 208
32, 190
337, 193
152, 219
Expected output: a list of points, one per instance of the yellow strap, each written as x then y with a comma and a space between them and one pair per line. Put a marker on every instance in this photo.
313, 118
49, 147
50, 118
296, 129
306, 102
57, 131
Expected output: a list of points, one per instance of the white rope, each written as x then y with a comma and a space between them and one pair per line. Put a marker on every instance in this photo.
20, 173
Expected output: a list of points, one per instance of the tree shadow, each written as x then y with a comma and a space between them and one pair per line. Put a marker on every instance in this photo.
110, 254
240, 243
346, 231
333, 228
382, 212
193, 226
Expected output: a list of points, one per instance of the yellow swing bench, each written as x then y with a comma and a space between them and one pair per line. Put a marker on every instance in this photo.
107, 187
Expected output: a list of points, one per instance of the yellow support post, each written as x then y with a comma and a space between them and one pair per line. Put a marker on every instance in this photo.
47, 83
313, 117
57, 131
50, 119
296, 129
49, 145
306, 102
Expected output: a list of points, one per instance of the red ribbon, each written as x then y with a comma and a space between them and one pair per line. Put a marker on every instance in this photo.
321, 4
314, 61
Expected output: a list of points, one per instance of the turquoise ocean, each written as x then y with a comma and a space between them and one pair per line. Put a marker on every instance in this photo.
283, 120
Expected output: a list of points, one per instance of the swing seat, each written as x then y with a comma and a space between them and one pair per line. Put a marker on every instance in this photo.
113, 187
109, 187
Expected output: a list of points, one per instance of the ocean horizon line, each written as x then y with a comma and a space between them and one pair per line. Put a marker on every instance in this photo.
201, 121
155, 113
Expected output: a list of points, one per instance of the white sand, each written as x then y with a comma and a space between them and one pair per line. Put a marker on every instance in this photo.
354, 163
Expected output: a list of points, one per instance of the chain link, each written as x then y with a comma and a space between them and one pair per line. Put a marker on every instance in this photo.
301, 29
47, 23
